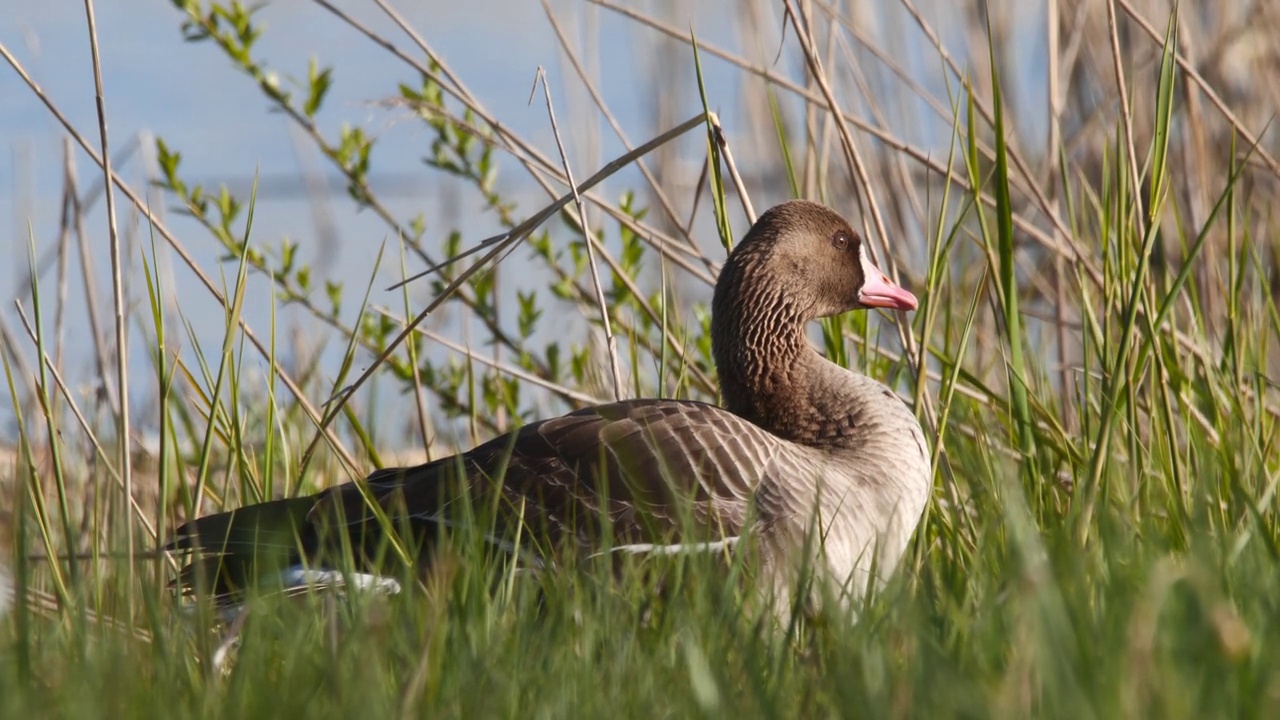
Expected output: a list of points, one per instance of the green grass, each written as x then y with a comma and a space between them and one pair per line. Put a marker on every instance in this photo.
1094, 359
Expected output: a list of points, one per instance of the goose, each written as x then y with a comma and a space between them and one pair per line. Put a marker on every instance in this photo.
815, 465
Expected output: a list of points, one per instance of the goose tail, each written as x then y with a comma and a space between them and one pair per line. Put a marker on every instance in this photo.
233, 550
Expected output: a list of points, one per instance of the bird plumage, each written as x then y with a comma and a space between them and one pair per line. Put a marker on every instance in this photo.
802, 448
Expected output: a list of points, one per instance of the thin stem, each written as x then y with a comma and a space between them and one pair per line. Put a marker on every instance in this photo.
117, 286
611, 342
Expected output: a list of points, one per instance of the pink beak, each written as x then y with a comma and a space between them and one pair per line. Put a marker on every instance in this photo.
881, 292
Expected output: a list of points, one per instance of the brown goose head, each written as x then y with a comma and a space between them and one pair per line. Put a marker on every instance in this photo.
803, 260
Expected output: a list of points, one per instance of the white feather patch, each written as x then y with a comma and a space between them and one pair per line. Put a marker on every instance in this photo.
675, 548
320, 578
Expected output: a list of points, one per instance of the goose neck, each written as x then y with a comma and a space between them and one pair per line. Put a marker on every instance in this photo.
762, 356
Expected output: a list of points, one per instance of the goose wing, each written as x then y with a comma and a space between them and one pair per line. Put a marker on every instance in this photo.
644, 468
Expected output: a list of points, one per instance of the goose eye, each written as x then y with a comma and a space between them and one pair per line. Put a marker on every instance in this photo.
840, 241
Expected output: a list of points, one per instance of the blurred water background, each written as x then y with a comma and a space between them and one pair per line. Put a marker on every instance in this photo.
157, 85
